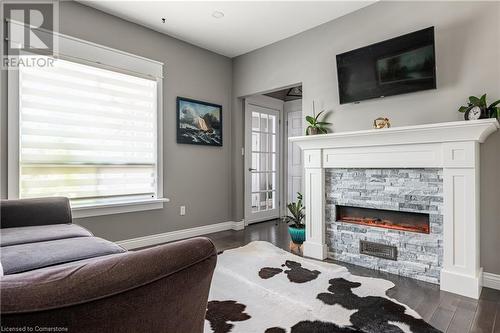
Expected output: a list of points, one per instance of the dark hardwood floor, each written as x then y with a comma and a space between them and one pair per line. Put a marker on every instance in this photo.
445, 311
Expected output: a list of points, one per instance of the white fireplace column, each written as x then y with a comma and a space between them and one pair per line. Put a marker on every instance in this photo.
314, 200
452, 146
461, 272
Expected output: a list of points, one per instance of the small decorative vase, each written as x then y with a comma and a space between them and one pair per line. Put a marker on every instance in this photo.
298, 235
312, 131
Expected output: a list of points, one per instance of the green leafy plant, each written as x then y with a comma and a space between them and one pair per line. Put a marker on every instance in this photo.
315, 125
491, 111
297, 215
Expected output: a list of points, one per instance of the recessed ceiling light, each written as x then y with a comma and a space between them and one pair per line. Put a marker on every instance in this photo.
218, 14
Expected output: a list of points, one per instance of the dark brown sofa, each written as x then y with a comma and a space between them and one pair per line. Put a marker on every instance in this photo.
160, 289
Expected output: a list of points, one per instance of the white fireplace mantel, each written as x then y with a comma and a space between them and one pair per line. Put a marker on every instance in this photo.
452, 146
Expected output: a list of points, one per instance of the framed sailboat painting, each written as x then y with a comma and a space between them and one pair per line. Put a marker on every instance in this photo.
199, 123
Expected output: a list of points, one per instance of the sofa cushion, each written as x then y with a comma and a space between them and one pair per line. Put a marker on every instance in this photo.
26, 257
36, 211
23, 235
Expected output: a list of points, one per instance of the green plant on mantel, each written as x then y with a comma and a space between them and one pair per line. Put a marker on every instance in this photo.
491, 111
315, 125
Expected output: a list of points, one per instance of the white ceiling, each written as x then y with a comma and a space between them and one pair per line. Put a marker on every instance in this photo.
246, 25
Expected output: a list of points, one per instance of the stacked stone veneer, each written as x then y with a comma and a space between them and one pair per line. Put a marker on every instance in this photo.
420, 255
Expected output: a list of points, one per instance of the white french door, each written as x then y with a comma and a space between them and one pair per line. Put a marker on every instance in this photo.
262, 159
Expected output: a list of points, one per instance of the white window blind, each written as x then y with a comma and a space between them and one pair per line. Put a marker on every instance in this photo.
86, 133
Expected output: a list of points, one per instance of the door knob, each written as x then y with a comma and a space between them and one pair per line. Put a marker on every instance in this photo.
251, 169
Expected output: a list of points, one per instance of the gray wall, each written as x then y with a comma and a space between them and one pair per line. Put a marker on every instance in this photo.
209, 181
195, 176
467, 64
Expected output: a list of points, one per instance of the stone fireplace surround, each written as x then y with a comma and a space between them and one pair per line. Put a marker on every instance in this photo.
452, 147
420, 255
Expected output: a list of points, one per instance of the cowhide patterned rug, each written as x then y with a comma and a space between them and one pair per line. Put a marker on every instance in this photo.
261, 288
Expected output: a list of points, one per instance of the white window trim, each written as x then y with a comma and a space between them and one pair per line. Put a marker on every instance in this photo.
105, 57
117, 208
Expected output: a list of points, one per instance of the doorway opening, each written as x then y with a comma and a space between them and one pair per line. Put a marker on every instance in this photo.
273, 168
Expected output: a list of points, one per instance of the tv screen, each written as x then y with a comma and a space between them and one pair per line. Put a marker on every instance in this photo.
396, 66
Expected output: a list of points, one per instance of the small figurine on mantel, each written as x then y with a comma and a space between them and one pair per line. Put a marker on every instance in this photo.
381, 122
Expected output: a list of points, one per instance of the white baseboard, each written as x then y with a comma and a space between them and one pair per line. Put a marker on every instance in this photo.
166, 237
491, 280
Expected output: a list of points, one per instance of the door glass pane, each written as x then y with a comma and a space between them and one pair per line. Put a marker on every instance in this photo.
255, 202
263, 201
255, 182
272, 124
272, 181
272, 162
255, 121
264, 144
255, 141
271, 202
263, 181
272, 143
255, 160
263, 166
263, 122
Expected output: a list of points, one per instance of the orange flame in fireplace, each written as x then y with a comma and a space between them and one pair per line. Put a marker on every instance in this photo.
375, 222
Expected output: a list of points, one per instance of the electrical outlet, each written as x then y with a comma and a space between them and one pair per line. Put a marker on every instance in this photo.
183, 210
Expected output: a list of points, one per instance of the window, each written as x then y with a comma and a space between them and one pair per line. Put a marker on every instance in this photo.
88, 128
86, 133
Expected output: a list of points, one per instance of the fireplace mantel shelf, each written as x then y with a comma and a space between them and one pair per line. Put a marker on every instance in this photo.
474, 130
452, 146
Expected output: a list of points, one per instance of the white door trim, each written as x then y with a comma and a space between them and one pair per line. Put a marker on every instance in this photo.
286, 145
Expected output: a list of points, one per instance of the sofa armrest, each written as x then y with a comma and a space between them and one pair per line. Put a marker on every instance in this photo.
34, 212
162, 289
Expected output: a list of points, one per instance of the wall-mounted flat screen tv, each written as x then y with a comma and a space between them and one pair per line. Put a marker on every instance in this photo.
396, 66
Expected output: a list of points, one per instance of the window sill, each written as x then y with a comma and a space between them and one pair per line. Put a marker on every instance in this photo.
117, 208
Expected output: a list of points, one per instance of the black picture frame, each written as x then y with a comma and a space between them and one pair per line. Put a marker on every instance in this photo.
199, 122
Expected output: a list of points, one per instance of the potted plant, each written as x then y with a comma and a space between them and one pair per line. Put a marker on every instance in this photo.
296, 227
477, 108
315, 125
